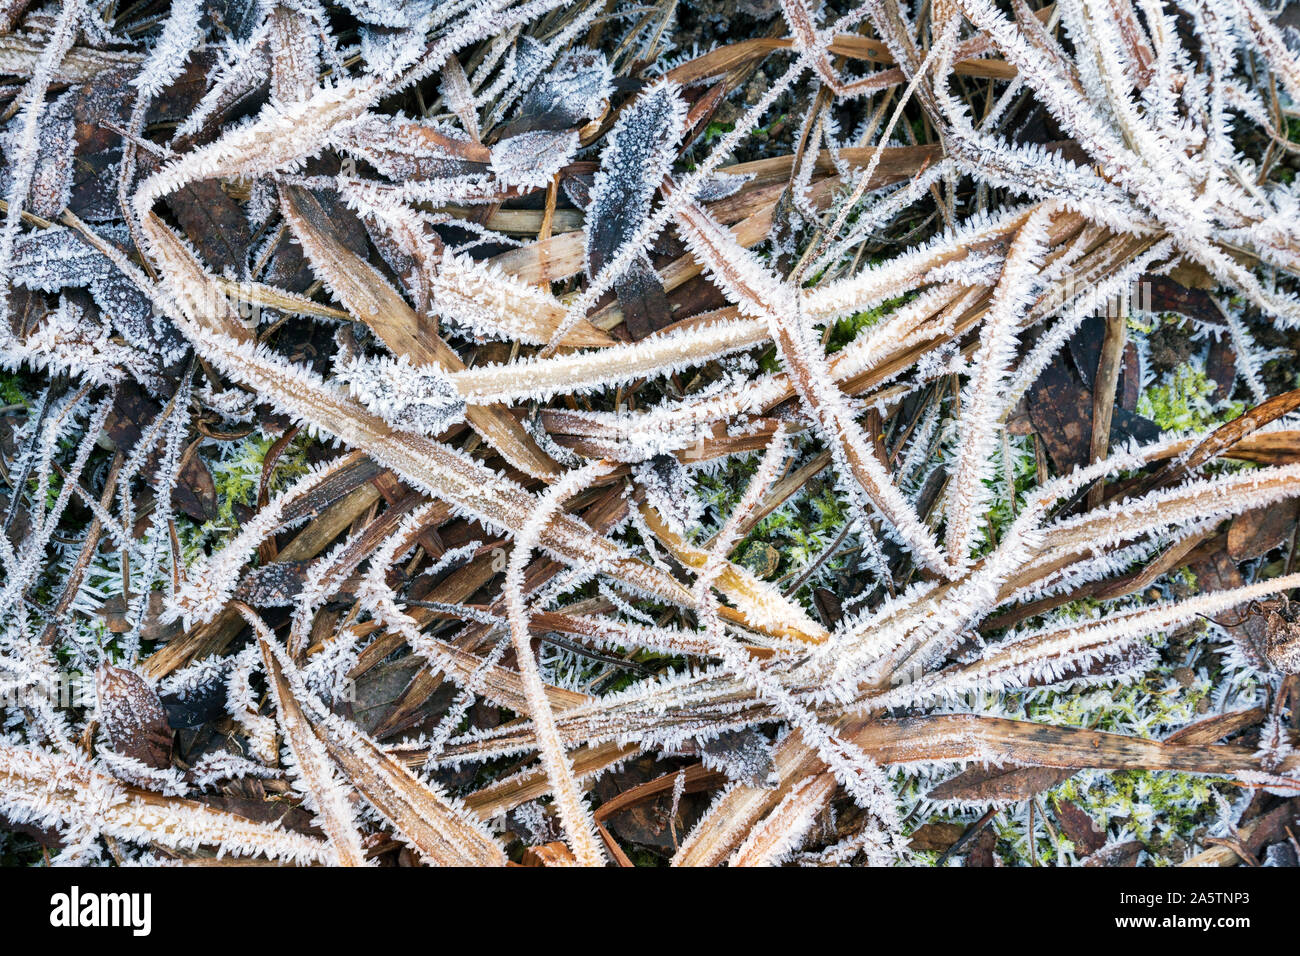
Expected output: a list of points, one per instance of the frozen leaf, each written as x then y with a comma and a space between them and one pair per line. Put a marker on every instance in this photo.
643, 300
641, 150
194, 704
745, 756
392, 34
57, 258
405, 149
1283, 637
215, 223
670, 490
997, 786
531, 160
415, 398
1255, 533
52, 178
389, 13
721, 185
273, 585
132, 716
574, 90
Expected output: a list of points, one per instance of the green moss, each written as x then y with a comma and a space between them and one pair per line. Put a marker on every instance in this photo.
1162, 809
1184, 402
1002, 510
238, 475
11, 390
845, 330
1159, 806
715, 131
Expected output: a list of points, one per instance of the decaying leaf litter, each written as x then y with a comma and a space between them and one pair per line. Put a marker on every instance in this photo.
553, 432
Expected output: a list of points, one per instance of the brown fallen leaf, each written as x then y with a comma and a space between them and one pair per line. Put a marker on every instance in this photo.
1282, 639
1254, 533
1082, 829
132, 716
935, 837
998, 785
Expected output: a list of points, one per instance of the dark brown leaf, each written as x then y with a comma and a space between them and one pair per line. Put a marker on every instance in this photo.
936, 837
982, 847
214, 222
1060, 408
999, 784
1217, 572
1254, 533
1221, 366
195, 492
1282, 638
1082, 829
132, 716
643, 301
1168, 296
273, 585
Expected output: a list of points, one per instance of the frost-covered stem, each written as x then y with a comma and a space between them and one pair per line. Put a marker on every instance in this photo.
20, 578
859, 774
1258, 26
180, 34
942, 47
577, 821
165, 478
1249, 366
1044, 655
311, 763
759, 293
22, 161
212, 580
785, 827
981, 409
65, 792
726, 539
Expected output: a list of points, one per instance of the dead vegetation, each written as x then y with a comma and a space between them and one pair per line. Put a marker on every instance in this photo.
463, 433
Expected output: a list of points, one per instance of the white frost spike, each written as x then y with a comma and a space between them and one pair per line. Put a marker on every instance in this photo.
418, 398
